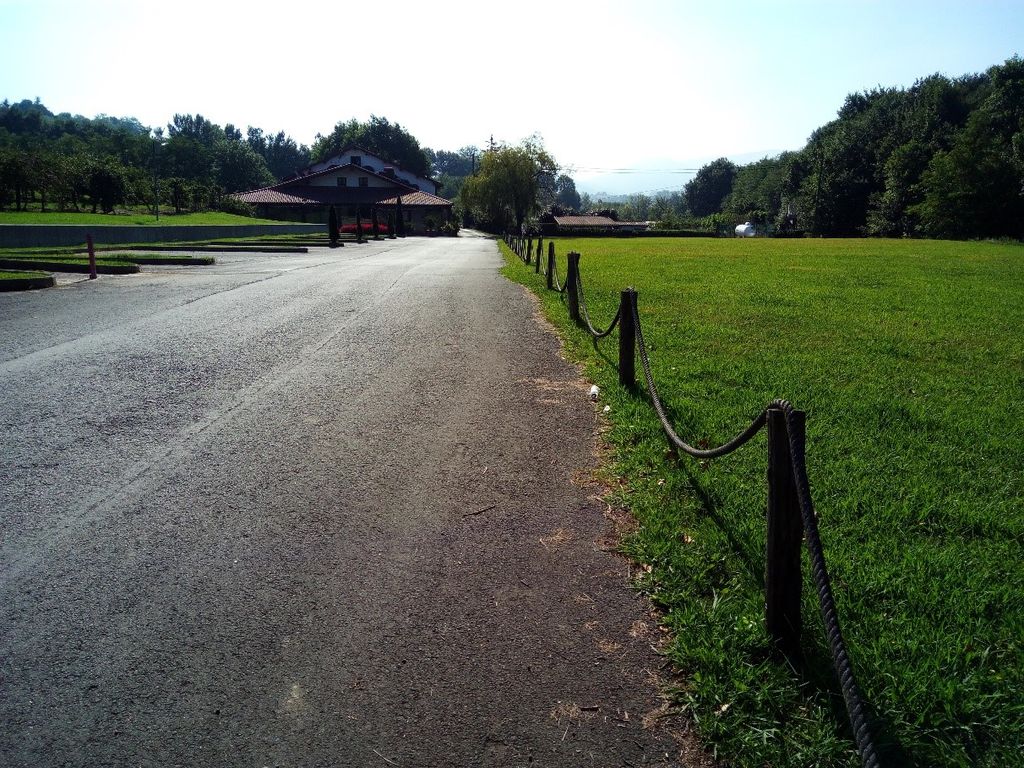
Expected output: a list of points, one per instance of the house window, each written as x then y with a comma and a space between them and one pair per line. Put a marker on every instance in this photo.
342, 181
364, 181
356, 160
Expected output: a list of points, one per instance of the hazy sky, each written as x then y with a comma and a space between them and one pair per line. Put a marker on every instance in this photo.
643, 84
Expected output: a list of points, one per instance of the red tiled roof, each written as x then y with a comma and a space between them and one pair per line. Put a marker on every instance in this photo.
585, 221
417, 199
270, 195
296, 194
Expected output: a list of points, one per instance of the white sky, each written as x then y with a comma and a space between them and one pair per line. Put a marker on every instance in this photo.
644, 84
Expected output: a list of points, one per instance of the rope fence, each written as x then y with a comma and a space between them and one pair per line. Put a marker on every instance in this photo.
791, 519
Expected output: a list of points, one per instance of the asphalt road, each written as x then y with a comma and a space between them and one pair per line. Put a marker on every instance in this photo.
313, 510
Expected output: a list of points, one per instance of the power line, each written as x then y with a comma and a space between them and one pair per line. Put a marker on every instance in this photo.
587, 168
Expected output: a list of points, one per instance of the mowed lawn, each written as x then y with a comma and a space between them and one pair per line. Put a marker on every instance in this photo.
908, 357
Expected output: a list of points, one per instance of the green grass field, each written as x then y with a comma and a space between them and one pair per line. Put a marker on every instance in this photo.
136, 219
908, 357
11, 274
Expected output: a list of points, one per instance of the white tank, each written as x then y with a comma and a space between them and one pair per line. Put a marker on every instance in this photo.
745, 230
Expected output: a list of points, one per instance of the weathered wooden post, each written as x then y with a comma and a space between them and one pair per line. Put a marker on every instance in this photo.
551, 266
627, 339
571, 286
783, 583
529, 250
540, 250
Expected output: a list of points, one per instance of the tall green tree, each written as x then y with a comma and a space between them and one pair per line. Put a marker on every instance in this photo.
237, 167
706, 191
506, 189
283, 156
758, 190
566, 195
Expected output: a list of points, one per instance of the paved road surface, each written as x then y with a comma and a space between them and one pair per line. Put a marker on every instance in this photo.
312, 510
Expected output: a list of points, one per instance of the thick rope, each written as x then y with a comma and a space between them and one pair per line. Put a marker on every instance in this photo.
713, 453
554, 279
586, 315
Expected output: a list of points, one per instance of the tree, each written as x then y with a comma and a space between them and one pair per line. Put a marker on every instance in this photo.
237, 167
505, 192
451, 169
106, 185
758, 190
14, 177
282, 155
195, 127
637, 208
390, 141
706, 191
566, 194
461, 163
975, 189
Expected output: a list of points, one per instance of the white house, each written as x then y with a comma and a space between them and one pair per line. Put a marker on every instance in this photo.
371, 162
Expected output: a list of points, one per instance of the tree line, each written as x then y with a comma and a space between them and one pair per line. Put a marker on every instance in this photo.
943, 158
69, 162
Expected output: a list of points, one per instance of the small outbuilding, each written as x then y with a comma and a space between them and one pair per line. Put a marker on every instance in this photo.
590, 224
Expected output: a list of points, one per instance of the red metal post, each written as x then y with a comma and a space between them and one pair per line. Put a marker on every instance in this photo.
92, 257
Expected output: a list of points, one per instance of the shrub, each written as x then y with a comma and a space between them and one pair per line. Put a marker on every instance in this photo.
228, 204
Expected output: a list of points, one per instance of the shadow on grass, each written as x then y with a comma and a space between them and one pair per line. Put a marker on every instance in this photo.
814, 670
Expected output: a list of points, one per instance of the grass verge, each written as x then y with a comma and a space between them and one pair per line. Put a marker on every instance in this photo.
72, 259
210, 218
11, 280
908, 357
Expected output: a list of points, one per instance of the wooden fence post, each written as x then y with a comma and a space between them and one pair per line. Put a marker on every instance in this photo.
571, 284
551, 266
627, 339
783, 583
540, 249
529, 250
